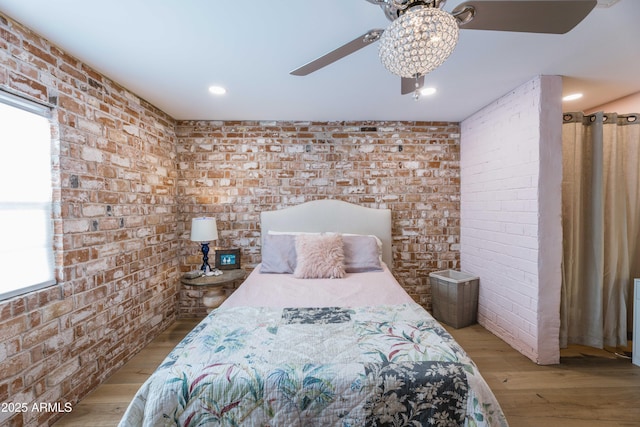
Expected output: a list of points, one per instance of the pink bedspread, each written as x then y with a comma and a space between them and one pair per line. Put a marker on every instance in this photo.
283, 290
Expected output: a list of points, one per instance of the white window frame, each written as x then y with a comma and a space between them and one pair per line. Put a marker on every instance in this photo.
35, 270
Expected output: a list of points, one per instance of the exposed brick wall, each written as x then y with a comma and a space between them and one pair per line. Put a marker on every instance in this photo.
511, 235
235, 170
116, 225
128, 179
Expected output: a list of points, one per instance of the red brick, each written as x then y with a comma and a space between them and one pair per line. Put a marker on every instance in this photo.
328, 160
12, 327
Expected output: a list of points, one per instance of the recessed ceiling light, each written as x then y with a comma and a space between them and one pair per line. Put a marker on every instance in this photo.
572, 97
217, 90
426, 91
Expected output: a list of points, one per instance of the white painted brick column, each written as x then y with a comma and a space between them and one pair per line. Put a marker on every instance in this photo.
511, 236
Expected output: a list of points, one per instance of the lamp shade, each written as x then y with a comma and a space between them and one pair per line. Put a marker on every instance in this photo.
204, 229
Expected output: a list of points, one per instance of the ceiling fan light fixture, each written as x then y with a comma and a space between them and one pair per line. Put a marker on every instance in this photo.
419, 41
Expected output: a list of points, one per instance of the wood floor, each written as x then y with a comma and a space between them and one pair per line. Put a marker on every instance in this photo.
588, 388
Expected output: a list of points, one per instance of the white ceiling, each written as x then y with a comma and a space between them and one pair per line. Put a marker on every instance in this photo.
170, 51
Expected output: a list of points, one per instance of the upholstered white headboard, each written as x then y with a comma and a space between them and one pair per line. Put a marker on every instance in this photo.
336, 216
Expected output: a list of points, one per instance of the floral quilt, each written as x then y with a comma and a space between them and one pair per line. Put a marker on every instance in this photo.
367, 366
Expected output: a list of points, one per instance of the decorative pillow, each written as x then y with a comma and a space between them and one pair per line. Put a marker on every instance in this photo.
319, 257
361, 253
278, 254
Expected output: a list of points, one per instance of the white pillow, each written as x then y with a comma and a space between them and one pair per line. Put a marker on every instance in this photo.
278, 254
362, 253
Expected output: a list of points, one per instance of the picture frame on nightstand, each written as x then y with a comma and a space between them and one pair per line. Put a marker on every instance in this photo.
227, 259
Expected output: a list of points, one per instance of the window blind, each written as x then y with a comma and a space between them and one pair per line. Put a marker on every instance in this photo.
26, 229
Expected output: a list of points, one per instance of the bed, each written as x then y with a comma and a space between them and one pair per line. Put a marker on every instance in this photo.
320, 334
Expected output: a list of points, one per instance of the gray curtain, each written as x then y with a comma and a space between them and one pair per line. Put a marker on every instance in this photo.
601, 227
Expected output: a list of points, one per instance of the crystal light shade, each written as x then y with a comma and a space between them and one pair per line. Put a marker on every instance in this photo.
418, 42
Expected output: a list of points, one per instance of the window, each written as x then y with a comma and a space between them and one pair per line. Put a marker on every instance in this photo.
26, 226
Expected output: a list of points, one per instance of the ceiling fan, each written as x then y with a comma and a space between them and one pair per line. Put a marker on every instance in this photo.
421, 35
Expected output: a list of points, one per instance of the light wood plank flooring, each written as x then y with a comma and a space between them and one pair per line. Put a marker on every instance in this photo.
588, 388
105, 406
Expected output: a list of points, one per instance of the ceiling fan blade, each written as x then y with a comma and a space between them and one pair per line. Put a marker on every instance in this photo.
409, 85
537, 16
364, 40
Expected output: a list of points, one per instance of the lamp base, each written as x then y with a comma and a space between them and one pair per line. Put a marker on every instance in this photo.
206, 268
205, 258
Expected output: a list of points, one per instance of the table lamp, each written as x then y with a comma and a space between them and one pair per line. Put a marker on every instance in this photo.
204, 230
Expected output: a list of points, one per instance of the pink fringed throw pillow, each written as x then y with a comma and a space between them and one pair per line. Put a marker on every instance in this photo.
319, 257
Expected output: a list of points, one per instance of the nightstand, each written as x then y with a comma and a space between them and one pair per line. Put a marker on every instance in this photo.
218, 287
